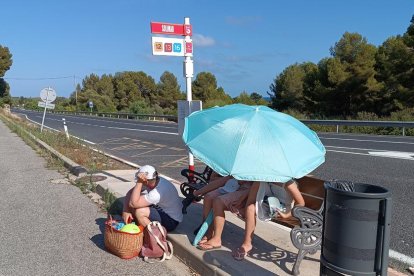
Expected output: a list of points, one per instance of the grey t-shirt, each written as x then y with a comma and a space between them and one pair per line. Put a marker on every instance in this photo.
165, 196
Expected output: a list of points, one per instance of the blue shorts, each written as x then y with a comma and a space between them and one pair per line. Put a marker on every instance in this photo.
157, 214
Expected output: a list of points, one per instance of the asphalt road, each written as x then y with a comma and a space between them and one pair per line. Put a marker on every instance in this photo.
387, 161
48, 227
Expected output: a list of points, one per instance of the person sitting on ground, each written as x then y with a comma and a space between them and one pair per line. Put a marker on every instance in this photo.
221, 194
153, 198
288, 194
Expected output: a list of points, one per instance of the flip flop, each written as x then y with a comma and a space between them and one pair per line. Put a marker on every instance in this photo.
239, 253
207, 247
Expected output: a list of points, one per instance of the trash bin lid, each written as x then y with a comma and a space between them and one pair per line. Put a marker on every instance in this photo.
357, 189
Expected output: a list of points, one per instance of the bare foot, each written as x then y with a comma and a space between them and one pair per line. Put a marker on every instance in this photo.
203, 240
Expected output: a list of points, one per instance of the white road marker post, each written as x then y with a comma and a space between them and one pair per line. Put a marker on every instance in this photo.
65, 128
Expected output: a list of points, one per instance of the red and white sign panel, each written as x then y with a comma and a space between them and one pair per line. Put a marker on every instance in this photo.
170, 29
188, 48
165, 46
188, 30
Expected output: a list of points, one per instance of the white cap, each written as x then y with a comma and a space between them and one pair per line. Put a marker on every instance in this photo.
149, 171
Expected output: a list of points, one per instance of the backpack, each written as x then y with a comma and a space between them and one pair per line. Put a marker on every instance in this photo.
155, 244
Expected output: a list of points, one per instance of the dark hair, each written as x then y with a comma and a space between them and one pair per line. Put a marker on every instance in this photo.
155, 175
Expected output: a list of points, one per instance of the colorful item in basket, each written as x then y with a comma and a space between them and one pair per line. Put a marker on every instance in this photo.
119, 225
130, 228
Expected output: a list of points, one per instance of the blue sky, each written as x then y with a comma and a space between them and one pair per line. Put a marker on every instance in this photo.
245, 44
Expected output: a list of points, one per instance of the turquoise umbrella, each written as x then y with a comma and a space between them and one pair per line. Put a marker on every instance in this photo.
253, 143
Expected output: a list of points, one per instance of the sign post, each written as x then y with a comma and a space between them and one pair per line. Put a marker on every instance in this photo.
177, 47
188, 74
47, 95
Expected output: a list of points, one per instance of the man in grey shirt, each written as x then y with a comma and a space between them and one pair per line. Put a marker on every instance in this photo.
153, 198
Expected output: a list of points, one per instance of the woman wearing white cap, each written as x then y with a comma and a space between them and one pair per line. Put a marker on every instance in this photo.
153, 198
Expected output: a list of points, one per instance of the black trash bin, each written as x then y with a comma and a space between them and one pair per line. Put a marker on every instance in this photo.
356, 229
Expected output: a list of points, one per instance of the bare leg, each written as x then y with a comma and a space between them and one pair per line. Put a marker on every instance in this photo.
207, 205
142, 215
218, 222
250, 215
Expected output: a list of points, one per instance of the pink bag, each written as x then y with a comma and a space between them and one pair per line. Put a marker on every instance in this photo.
155, 243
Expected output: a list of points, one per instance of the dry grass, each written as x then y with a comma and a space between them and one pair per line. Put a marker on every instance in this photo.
73, 148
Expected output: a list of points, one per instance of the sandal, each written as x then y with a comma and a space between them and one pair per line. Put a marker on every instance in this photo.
207, 247
239, 253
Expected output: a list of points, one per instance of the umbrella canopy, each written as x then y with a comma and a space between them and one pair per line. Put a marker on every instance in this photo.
253, 143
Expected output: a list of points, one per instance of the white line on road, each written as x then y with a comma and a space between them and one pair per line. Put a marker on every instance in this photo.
121, 128
374, 141
401, 257
396, 154
121, 122
92, 143
353, 148
358, 153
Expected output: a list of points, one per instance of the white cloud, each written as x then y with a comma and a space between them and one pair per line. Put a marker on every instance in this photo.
203, 41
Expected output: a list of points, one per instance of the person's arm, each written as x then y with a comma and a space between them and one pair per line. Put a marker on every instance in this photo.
293, 190
136, 200
213, 185
126, 211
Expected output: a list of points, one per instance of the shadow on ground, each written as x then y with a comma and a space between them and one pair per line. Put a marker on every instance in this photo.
115, 210
264, 251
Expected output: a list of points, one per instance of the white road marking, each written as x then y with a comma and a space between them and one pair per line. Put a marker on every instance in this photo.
118, 122
374, 141
394, 154
111, 121
92, 143
401, 257
353, 148
124, 128
367, 154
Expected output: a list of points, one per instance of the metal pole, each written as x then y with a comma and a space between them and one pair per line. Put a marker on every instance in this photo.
187, 60
44, 112
76, 93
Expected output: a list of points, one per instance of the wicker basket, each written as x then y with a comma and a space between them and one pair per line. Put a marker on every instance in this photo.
121, 244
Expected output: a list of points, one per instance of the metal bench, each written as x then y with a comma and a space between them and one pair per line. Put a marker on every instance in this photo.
307, 221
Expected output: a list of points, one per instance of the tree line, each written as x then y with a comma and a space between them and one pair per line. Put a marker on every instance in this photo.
5, 64
357, 78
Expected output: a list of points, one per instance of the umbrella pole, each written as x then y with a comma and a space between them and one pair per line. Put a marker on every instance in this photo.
204, 227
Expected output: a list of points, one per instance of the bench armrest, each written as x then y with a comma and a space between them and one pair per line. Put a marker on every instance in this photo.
193, 176
307, 236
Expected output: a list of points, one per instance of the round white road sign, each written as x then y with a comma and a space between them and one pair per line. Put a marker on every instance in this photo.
49, 94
